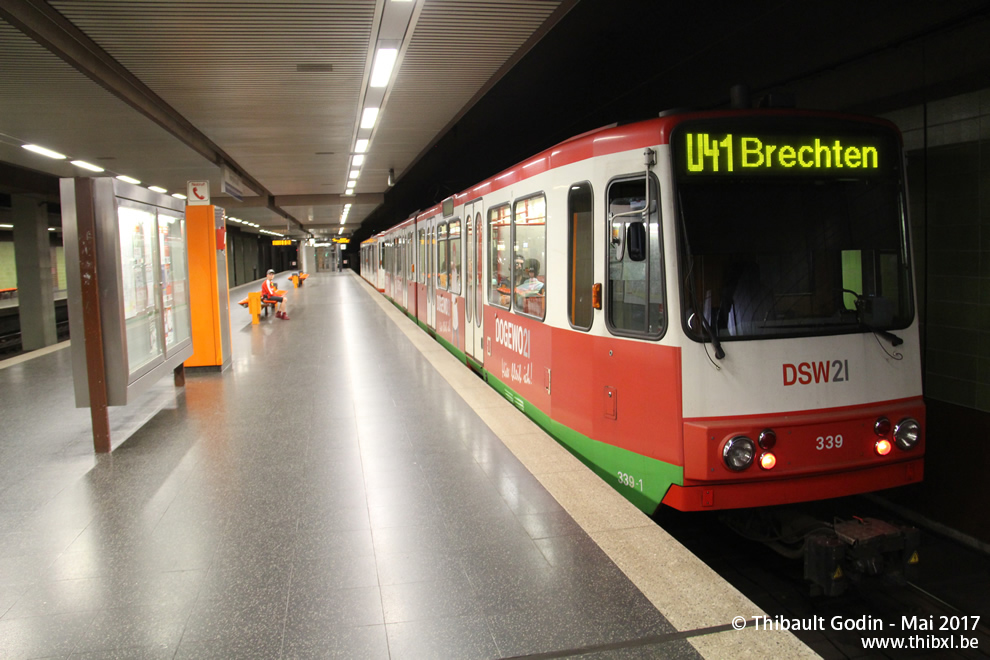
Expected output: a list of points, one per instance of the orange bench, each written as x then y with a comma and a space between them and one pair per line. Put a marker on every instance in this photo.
8, 293
297, 280
255, 304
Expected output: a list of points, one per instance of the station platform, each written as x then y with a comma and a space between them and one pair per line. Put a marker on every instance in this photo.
347, 489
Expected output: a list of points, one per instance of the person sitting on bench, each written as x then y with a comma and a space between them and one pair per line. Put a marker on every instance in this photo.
269, 293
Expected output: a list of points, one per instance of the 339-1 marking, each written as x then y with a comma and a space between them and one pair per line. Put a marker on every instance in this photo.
630, 481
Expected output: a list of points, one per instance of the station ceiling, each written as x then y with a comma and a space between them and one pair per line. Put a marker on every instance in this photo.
167, 91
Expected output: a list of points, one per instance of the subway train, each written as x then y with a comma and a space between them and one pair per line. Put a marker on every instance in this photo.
712, 310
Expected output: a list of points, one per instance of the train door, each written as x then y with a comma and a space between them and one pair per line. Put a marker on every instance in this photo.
409, 271
421, 271
473, 289
431, 275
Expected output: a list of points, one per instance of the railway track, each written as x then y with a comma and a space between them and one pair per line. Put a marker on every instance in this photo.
926, 617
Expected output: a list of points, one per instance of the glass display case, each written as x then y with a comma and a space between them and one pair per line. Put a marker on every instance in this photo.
143, 283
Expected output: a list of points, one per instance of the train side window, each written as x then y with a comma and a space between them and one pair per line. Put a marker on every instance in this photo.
580, 255
499, 257
529, 256
454, 253
635, 297
442, 255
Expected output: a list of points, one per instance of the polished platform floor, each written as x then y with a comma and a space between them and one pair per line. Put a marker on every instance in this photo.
329, 496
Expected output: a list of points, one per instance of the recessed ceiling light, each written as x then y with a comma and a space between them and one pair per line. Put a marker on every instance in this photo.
361, 146
128, 179
178, 195
44, 152
368, 117
87, 166
381, 72
157, 189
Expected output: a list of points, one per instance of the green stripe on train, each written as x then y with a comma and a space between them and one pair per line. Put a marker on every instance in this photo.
640, 479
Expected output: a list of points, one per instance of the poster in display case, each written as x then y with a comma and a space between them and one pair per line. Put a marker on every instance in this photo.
143, 275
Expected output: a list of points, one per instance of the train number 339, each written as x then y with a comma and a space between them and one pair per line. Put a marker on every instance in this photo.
828, 442
630, 481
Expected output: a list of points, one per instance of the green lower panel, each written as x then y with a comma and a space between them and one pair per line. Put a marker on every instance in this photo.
458, 353
642, 480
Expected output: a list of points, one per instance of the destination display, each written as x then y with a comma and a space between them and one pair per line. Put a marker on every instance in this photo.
730, 151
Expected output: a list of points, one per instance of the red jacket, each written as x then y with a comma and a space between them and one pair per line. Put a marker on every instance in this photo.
268, 288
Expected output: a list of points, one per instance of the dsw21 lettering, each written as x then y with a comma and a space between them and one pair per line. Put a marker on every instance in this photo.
822, 371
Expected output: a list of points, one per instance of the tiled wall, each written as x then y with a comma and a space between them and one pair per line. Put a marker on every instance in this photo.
8, 266
948, 146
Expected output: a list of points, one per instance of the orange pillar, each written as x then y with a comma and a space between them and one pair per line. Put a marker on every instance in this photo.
209, 296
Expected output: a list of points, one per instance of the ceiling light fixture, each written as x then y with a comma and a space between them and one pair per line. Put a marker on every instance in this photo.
368, 117
361, 146
87, 166
44, 152
157, 189
127, 179
357, 161
178, 195
355, 174
381, 73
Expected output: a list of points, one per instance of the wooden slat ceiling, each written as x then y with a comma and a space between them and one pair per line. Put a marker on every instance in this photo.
275, 84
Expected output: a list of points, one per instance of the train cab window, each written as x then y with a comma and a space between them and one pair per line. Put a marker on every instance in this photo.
442, 256
529, 256
580, 255
499, 256
454, 254
635, 300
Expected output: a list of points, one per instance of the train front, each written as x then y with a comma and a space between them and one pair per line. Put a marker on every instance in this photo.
801, 355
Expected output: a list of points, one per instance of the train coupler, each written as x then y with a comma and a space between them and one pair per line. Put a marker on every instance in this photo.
859, 548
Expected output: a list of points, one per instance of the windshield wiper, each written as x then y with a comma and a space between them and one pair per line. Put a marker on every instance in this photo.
692, 292
861, 303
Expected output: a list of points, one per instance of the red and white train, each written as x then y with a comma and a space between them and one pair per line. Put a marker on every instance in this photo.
712, 310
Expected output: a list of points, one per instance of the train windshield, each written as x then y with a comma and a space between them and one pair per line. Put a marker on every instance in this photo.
791, 231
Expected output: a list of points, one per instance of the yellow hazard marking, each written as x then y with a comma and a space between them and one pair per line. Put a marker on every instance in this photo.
838, 575
914, 558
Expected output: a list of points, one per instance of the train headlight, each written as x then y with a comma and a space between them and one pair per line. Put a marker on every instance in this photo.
738, 453
767, 460
907, 433
883, 446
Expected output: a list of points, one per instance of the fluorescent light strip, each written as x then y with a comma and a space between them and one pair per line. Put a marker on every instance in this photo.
178, 195
368, 117
354, 174
44, 152
361, 146
157, 189
87, 166
128, 179
381, 72
357, 161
